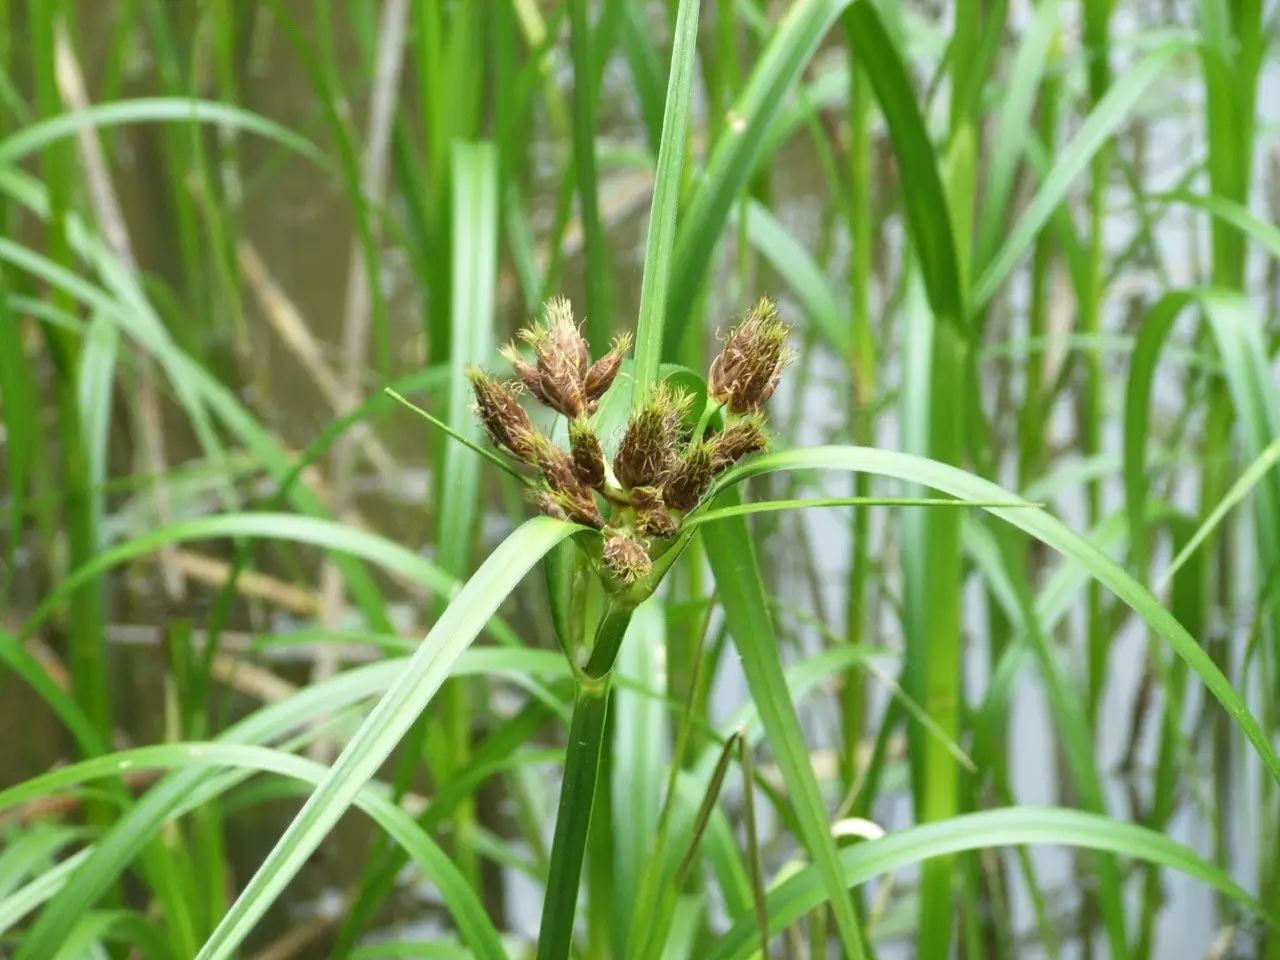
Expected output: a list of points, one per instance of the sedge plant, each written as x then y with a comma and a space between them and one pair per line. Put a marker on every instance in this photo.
633, 508
1028, 263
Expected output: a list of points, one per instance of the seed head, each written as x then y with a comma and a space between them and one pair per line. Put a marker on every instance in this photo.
588, 455
564, 335
689, 481
602, 372
651, 443
744, 437
576, 505
506, 422
526, 371
548, 503
562, 360
627, 558
556, 466
755, 353
656, 522
646, 498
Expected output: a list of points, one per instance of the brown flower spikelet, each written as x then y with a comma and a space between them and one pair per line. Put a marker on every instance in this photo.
547, 503
504, 420
642, 498
748, 368
602, 373
690, 479
526, 371
626, 558
562, 359
556, 466
736, 441
564, 335
581, 507
651, 443
588, 455
656, 522
577, 506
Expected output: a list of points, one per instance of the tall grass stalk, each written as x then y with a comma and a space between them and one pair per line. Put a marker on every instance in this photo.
862, 364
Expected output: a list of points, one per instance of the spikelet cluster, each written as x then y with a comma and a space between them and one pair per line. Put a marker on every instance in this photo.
660, 471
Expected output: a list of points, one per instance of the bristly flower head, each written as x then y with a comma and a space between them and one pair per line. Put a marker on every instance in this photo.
651, 444
626, 558
601, 374
559, 379
737, 440
575, 505
691, 478
498, 407
755, 353
588, 454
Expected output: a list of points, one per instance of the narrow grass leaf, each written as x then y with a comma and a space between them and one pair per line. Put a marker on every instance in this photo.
1114, 108
1013, 826
773, 506
660, 244
1261, 465
1264, 232
738, 149
926, 204
474, 924
1015, 123
1152, 339
36, 136
382, 730
743, 596
1048, 530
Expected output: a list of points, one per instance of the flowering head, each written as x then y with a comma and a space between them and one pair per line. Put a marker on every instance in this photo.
626, 558
691, 477
737, 440
661, 470
650, 446
504, 420
755, 353
562, 376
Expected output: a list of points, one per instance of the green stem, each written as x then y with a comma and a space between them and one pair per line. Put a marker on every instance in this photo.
1031, 450
647, 896
853, 699
87, 652
709, 410
578, 787
1097, 16
608, 641
573, 820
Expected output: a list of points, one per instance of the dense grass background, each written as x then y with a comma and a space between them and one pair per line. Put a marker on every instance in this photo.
1030, 253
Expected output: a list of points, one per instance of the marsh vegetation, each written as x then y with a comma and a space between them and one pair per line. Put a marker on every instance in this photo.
341, 619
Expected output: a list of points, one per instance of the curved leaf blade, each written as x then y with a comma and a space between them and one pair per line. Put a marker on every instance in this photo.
1014, 826
1045, 528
